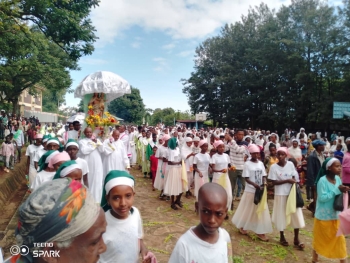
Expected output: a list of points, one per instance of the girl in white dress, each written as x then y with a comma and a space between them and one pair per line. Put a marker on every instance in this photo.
187, 155
246, 216
201, 167
173, 185
281, 174
220, 163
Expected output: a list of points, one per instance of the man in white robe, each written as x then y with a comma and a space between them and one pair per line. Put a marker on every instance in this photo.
132, 143
115, 156
124, 137
89, 150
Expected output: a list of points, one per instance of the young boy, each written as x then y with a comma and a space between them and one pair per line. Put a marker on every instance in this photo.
154, 164
207, 242
339, 154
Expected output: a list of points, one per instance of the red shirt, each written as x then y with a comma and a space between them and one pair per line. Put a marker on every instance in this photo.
154, 163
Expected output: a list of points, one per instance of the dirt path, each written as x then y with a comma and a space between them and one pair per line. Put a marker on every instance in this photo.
163, 226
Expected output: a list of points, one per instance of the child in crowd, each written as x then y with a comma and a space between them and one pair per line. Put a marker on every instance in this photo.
247, 216
7, 150
14, 159
124, 232
206, 242
154, 164
282, 174
303, 147
339, 154
70, 169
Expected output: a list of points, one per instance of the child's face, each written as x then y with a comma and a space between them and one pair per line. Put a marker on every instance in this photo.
273, 151
154, 150
196, 144
8, 139
52, 146
72, 151
339, 147
220, 148
212, 212
335, 168
254, 156
281, 156
121, 199
76, 175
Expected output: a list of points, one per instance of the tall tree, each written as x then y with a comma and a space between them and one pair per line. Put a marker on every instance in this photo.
129, 107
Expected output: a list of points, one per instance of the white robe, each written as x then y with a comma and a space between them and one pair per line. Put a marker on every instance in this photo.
125, 139
90, 152
132, 148
115, 157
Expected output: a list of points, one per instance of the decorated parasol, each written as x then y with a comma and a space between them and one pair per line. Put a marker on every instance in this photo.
97, 89
103, 82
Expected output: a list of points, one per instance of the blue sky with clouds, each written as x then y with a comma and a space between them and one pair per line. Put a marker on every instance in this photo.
151, 43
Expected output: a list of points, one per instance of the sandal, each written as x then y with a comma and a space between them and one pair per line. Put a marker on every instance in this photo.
299, 245
284, 243
243, 232
173, 206
265, 239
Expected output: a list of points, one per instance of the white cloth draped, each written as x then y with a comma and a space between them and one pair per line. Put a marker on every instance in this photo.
90, 152
125, 139
114, 156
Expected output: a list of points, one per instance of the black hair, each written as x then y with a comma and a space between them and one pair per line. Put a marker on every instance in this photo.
239, 130
272, 145
76, 122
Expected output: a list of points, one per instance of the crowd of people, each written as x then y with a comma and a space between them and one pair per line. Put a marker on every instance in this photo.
73, 172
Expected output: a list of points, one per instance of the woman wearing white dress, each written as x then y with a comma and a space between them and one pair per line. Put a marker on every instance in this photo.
246, 216
282, 175
187, 154
220, 163
201, 167
173, 184
295, 152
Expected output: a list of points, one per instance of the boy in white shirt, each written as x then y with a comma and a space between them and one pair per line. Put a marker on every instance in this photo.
207, 242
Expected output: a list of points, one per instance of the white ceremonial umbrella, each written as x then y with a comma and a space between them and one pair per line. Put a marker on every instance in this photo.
80, 116
103, 82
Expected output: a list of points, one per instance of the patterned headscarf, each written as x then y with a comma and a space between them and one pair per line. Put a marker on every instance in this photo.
57, 211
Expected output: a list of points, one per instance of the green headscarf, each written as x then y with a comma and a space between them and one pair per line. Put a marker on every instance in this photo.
73, 164
46, 138
172, 143
42, 162
323, 169
114, 174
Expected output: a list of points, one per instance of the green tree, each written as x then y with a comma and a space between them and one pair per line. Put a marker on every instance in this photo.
65, 23
27, 65
129, 107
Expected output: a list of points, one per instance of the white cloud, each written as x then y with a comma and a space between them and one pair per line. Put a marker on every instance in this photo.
169, 46
162, 64
181, 19
136, 44
93, 61
185, 53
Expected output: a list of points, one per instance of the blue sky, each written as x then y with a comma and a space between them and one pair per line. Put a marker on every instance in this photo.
151, 43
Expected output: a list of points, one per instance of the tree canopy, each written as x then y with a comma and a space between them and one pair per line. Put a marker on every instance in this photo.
41, 41
274, 69
129, 107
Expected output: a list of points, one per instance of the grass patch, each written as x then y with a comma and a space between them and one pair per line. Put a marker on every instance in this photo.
244, 243
279, 251
153, 249
306, 233
167, 239
237, 259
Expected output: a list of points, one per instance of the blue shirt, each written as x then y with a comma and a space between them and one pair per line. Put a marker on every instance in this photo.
339, 155
326, 193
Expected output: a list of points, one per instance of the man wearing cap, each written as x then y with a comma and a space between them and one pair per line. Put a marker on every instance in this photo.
31, 151
65, 220
314, 163
115, 156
